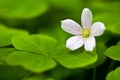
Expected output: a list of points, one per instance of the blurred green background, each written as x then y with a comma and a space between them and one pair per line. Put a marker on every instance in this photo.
44, 17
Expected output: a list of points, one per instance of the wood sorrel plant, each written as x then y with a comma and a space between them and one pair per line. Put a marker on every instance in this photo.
38, 53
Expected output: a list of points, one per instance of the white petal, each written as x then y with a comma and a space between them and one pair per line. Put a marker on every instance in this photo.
97, 29
86, 17
74, 42
70, 26
90, 44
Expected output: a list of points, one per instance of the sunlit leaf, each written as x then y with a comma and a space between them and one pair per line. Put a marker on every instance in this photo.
45, 43
36, 43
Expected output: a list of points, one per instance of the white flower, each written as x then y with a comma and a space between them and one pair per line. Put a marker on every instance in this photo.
83, 35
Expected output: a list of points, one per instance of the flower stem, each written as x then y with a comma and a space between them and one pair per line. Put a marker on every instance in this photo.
94, 74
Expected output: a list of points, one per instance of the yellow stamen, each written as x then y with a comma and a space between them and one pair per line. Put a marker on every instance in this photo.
85, 32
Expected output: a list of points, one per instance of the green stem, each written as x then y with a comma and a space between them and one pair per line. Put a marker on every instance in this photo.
27, 75
94, 74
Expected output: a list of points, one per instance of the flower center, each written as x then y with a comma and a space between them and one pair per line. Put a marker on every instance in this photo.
85, 32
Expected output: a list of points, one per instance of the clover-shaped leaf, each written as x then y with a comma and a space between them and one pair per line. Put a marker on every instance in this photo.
114, 75
33, 52
7, 33
39, 52
113, 52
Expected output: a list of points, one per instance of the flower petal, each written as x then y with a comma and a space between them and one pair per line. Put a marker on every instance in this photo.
90, 44
74, 42
70, 26
86, 17
97, 29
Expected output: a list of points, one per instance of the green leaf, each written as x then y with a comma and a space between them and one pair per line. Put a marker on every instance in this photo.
45, 43
114, 75
75, 59
31, 61
4, 53
113, 52
36, 43
22, 9
34, 54
7, 33
25, 43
